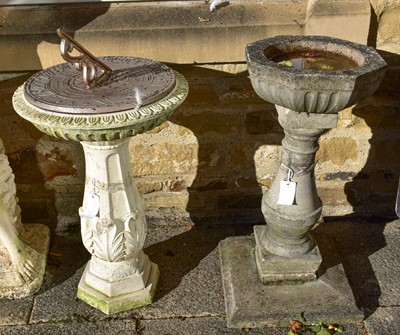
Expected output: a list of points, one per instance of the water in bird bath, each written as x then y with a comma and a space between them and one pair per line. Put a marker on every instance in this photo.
322, 61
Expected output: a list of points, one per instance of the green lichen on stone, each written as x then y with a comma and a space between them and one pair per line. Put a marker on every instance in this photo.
109, 307
92, 300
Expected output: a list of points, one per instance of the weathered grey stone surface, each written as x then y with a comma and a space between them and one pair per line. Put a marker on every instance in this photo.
297, 89
190, 283
157, 26
15, 312
196, 326
249, 303
189, 299
61, 304
383, 321
120, 327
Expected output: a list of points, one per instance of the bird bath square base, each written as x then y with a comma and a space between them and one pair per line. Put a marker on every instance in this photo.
251, 304
116, 296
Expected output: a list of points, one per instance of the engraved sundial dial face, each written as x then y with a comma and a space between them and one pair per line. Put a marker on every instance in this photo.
133, 82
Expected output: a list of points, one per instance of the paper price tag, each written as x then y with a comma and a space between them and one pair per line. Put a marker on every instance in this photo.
287, 193
92, 205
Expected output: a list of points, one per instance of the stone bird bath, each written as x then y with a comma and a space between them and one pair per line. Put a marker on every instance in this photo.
309, 79
118, 97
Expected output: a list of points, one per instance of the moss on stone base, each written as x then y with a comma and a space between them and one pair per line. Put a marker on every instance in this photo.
124, 302
110, 307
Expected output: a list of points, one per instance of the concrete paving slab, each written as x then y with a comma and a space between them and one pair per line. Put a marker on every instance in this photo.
190, 298
15, 312
369, 251
56, 301
384, 321
213, 326
190, 282
198, 326
60, 304
121, 327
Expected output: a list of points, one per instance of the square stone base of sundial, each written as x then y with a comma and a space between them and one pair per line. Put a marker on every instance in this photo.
119, 302
251, 304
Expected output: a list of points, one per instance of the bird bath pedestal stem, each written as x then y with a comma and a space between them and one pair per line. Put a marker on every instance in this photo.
285, 250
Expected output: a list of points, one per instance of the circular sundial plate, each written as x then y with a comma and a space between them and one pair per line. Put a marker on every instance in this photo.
134, 82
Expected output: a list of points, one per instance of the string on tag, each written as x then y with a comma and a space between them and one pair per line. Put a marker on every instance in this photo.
287, 188
291, 172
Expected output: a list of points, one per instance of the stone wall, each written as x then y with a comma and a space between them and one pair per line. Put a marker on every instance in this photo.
220, 151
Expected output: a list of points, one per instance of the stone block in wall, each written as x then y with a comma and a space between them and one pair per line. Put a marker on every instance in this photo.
163, 158
262, 122
8, 84
166, 200
159, 128
385, 180
385, 151
38, 210
266, 162
246, 182
56, 161
377, 118
67, 211
206, 183
238, 91
344, 19
336, 195
240, 156
237, 200
201, 94
25, 167
389, 24
146, 186
208, 121
337, 150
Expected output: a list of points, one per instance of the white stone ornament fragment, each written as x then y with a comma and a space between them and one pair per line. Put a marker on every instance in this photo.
216, 3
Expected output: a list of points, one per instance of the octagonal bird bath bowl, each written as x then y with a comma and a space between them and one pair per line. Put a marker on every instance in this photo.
313, 74
309, 79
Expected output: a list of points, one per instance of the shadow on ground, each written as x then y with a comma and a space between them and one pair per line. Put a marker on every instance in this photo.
177, 255
355, 240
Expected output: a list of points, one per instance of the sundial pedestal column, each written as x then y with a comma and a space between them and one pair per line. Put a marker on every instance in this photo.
113, 224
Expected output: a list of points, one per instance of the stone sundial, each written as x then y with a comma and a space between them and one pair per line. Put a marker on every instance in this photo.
102, 102
108, 84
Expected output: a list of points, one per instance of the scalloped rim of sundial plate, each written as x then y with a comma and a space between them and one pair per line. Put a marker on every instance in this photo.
134, 82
